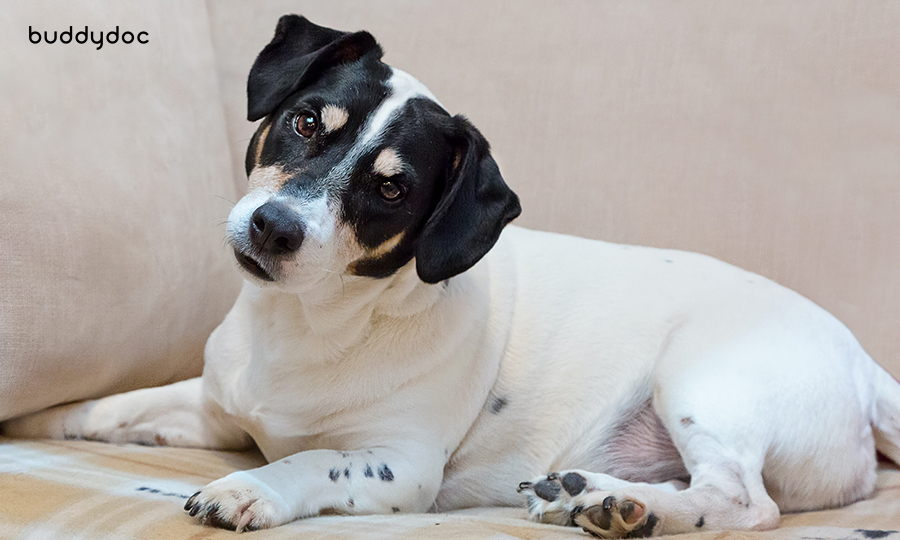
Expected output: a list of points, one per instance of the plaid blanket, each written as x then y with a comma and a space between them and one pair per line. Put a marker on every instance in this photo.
94, 491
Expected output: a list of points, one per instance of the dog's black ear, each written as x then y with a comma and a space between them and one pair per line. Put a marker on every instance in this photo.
300, 52
475, 206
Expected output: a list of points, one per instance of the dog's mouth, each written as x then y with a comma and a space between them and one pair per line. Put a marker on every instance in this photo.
250, 265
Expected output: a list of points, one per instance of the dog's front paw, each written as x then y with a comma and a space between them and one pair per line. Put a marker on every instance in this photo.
550, 497
613, 517
239, 502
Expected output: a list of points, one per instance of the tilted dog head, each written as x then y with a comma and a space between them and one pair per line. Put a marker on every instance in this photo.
356, 168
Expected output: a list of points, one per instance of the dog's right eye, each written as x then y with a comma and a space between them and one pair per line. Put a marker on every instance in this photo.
305, 124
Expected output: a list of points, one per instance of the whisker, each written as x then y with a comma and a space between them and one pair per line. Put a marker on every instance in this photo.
225, 199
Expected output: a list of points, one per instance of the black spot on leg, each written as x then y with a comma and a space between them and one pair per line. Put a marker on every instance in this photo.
645, 530
498, 404
395, 509
874, 534
573, 483
347, 474
334, 474
385, 473
700, 523
368, 472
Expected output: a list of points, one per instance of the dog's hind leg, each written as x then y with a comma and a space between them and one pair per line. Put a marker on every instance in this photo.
724, 494
175, 415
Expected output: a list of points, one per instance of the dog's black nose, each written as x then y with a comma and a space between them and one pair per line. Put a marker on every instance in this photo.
275, 229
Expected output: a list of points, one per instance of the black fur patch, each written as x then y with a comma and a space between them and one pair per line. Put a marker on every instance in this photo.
700, 523
498, 404
334, 474
395, 509
297, 56
347, 473
385, 473
368, 472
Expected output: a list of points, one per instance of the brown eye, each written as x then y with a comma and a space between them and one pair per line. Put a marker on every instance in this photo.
305, 124
391, 191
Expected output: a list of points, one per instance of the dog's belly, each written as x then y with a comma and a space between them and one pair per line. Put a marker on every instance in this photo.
626, 440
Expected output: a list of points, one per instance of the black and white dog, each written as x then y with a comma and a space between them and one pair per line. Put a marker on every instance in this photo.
392, 351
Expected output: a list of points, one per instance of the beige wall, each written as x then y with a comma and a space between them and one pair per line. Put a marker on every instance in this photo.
764, 133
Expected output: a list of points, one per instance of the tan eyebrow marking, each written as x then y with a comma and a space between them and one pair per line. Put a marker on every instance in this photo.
261, 141
271, 178
388, 163
334, 117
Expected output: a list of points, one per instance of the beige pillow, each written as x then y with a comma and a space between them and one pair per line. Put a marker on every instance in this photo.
114, 183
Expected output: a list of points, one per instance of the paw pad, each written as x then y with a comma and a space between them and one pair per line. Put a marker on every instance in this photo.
616, 519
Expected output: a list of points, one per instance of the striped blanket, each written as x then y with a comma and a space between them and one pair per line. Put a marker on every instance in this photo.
94, 491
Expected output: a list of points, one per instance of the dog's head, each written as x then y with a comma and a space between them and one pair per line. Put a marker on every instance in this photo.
356, 169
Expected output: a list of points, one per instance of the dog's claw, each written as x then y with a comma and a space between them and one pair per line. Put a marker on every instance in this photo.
609, 502
523, 486
190, 502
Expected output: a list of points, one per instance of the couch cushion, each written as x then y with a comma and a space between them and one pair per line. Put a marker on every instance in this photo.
64, 489
114, 182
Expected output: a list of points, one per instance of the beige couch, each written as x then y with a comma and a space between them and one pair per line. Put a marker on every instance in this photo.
765, 134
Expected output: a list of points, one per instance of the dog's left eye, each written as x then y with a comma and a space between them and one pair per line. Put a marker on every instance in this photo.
391, 191
305, 124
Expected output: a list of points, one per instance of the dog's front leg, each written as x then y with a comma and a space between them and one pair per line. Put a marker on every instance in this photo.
382, 480
178, 414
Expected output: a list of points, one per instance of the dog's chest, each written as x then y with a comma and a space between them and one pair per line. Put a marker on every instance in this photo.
288, 402
293, 389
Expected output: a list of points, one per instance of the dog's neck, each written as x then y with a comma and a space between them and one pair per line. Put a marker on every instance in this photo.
345, 306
